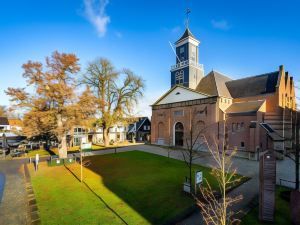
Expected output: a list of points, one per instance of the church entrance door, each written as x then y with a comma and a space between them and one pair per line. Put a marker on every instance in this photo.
178, 134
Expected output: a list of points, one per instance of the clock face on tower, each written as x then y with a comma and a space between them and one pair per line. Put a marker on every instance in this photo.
179, 77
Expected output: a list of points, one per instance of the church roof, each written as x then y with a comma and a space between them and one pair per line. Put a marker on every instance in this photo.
186, 34
214, 84
189, 94
249, 107
252, 86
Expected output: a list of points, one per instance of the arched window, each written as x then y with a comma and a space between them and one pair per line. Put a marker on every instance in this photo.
178, 134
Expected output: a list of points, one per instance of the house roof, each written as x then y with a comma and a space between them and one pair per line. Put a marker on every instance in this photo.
214, 84
244, 107
253, 86
4, 121
187, 33
137, 125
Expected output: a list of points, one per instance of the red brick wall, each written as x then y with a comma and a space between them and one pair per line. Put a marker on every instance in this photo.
167, 119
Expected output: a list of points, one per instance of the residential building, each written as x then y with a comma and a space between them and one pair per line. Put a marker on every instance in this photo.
80, 134
140, 130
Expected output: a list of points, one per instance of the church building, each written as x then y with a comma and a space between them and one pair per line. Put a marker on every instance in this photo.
250, 114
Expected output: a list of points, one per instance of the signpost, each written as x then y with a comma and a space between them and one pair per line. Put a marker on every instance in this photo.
84, 147
198, 179
37, 159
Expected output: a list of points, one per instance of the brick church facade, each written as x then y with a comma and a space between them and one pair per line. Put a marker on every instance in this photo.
253, 113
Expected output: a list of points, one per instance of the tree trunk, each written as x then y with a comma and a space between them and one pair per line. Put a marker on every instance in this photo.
105, 136
62, 148
62, 139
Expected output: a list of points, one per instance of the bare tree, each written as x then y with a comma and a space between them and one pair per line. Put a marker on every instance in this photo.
195, 140
3, 111
115, 98
216, 211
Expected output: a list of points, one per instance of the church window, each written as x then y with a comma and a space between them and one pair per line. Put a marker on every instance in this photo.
193, 55
242, 144
181, 53
237, 126
178, 113
179, 77
242, 125
233, 126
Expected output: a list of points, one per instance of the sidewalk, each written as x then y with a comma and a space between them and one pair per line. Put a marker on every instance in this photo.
13, 207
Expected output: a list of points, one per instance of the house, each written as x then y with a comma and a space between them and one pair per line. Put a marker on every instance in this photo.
235, 113
140, 130
4, 124
80, 134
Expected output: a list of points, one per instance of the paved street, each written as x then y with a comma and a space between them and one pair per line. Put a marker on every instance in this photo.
13, 202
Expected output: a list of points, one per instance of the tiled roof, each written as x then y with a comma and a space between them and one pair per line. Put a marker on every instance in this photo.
137, 125
186, 34
4, 121
244, 107
253, 86
214, 84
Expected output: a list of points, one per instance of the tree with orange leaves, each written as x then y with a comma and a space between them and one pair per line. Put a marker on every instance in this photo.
54, 107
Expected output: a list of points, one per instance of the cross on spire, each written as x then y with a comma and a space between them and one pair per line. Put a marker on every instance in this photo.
188, 11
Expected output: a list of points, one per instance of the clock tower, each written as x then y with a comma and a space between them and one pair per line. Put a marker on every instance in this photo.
187, 71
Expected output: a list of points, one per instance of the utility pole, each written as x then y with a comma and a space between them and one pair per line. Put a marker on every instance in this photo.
80, 165
297, 148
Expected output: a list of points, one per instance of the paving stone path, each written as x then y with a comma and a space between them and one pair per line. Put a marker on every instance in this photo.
13, 208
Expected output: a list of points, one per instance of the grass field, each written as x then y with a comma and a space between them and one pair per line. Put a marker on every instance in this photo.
97, 147
41, 152
281, 212
141, 188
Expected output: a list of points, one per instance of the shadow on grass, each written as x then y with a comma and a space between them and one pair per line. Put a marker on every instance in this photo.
150, 184
99, 197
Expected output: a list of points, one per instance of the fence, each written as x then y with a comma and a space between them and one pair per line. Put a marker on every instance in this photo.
287, 183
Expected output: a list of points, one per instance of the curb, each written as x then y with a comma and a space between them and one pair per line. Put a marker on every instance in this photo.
33, 217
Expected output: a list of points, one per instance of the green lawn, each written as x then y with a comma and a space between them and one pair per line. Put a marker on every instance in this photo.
62, 199
142, 188
41, 152
281, 212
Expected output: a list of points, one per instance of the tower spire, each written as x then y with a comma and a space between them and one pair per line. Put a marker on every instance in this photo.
188, 11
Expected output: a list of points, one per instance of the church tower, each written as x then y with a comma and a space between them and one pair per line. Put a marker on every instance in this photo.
187, 71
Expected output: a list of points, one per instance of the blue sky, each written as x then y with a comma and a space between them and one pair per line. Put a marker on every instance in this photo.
238, 38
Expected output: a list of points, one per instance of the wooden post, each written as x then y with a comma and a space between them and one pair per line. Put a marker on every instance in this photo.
80, 165
297, 151
267, 184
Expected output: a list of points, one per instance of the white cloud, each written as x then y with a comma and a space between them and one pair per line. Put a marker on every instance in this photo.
95, 14
220, 24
